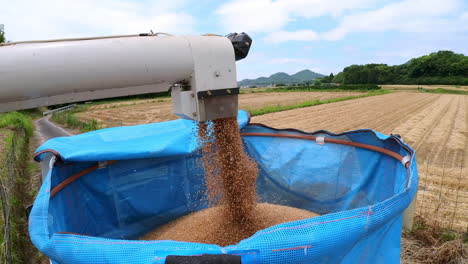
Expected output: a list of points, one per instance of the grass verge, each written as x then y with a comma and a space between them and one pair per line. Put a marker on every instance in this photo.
341, 88
17, 121
443, 91
16, 130
278, 108
429, 243
69, 119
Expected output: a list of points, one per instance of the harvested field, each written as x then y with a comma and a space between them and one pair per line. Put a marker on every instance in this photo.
435, 125
157, 110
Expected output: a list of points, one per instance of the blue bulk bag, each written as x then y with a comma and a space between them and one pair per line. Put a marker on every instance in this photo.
104, 188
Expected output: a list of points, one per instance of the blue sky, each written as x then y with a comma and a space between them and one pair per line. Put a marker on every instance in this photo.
288, 35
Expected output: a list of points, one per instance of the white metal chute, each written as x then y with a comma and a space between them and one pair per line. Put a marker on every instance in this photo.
46, 73
33, 70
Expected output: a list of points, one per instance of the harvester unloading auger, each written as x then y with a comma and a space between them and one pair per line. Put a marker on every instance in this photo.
104, 189
200, 71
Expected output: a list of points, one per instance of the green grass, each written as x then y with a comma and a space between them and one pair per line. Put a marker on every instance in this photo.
338, 88
16, 129
278, 108
292, 90
69, 119
443, 91
17, 121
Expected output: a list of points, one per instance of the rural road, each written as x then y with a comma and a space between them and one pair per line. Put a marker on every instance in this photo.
46, 130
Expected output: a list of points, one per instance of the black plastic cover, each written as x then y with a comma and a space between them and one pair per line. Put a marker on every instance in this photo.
204, 259
241, 43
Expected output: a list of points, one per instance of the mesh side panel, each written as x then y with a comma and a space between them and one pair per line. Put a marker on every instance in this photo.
321, 178
127, 198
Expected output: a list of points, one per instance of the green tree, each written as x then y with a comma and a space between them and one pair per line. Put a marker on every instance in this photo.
328, 79
442, 67
338, 78
2, 34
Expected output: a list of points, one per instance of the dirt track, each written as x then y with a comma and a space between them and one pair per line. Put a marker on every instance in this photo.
435, 125
46, 130
154, 110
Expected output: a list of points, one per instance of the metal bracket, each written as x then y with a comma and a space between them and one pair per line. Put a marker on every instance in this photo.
220, 92
102, 164
320, 140
405, 160
52, 161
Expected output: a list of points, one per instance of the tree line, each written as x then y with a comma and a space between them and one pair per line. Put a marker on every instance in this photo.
442, 67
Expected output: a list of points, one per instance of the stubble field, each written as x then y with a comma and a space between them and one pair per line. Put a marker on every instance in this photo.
435, 125
148, 111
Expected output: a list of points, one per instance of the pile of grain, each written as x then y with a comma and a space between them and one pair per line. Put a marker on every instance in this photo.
230, 176
210, 226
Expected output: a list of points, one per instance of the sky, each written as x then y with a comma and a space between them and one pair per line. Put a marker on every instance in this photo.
288, 35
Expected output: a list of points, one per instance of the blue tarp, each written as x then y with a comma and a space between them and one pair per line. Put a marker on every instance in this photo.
157, 177
131, 142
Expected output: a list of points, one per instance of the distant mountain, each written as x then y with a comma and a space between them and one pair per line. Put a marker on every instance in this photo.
281, 77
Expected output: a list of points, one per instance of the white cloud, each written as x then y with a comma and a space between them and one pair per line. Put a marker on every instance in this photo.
464, 17
300, 35
318, 8
269, 16
25, 20
253, 16
414, 16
